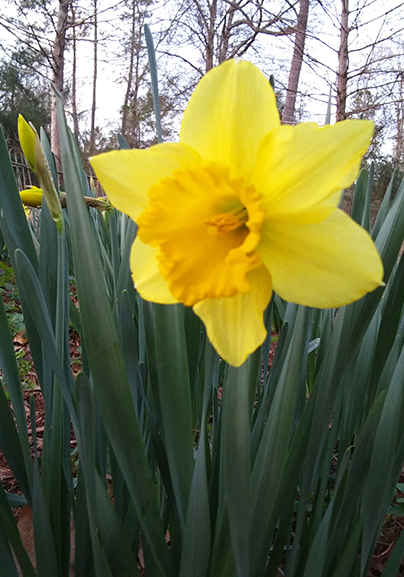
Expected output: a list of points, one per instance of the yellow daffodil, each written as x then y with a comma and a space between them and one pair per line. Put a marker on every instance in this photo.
242, 206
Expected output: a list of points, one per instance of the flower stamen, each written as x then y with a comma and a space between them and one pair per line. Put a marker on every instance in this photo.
221, 224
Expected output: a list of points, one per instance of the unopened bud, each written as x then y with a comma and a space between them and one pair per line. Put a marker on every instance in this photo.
26, 134
32, 196
46, 181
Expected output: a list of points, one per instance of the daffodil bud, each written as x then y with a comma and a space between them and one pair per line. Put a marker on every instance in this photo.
32, 196
46, 181
33, 152
26, 134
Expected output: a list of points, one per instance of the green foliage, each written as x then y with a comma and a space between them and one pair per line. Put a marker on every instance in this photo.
24, 367
9, 292
6, 276
384, 168
12, 306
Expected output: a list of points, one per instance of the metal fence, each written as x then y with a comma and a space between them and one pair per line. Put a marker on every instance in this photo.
23, 173
25, 177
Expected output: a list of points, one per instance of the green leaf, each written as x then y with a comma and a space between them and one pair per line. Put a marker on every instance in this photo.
153, 73
393, 564
40, 314
11, 376
86, 443
9, 530
359, 199
44, 544
84, 562
378, 489
197, 534
6, 556
383, 209
14, 226
235, 460
122, 142
268, 473
16, 500
11, 444
350, 553
111, 547
175, 400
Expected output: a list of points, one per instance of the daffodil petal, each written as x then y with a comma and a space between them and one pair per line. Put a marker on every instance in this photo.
146, 275
127, 175
325, 264
235, 325
231, 110
302, 169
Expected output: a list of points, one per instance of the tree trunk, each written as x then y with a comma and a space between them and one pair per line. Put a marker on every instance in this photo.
58, 54
398, 154
125, 108
225, 35
210, 39
131, 121
296, 65
343, 63
94, 103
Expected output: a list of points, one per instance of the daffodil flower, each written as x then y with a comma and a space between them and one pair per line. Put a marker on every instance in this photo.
243, 206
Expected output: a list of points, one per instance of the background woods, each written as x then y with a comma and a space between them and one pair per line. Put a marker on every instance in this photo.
94, 53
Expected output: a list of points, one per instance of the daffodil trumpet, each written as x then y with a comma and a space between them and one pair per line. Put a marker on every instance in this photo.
243, 206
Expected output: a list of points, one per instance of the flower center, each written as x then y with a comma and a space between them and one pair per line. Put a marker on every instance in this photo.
206, 224
221, 224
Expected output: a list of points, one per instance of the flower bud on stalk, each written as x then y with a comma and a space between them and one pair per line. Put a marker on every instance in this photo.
33, 152
32, 196
26, 134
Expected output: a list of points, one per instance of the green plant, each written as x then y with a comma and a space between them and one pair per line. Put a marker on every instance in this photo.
24, 367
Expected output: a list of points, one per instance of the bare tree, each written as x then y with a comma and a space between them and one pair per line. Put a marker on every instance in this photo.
342, 74
398, 152
221, 29
95, 74
74, 76
137, 69
296, 65
58, 61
